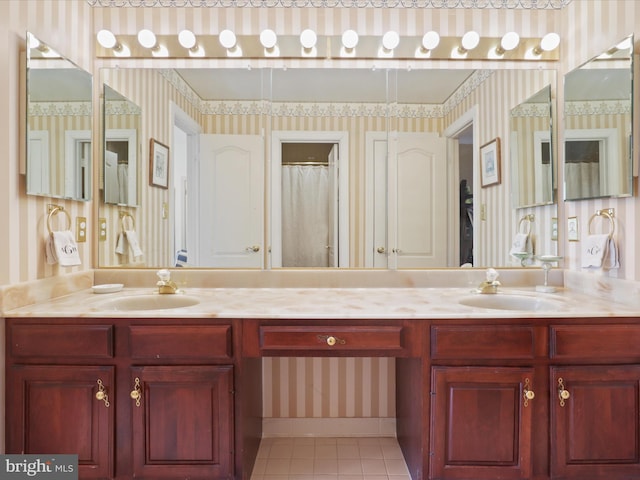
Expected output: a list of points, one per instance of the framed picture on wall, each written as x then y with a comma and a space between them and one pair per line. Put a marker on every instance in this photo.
490, 163
158, 164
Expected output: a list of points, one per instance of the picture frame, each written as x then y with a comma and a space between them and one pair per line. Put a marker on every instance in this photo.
572, 229
158, 164
490, 163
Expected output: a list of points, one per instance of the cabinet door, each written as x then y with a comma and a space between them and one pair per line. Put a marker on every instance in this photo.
54, 410
594, 435
481, 423
182, 422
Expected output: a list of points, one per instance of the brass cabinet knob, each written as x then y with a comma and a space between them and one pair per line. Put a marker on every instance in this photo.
136, 393
563, 393
101, 394
528, 394
331, 341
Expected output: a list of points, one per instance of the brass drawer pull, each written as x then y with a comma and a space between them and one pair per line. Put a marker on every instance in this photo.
563, 394
101, 394
528, 394
136, 393
331, 340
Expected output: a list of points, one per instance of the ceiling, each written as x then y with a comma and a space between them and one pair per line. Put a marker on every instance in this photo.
325, 84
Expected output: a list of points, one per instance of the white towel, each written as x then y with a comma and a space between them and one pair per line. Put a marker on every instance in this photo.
61, 248
600, 251
120, 244
132, 240
521, 243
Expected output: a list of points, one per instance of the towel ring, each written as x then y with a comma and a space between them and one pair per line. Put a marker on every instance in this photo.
123, 216
606, 214
528, 219
54, 210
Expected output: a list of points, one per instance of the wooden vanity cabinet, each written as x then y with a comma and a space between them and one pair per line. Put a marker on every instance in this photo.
595, 401
483, 397
134, 398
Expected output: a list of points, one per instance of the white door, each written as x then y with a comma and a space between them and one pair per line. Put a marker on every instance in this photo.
376, 211
418, 201
333, 207
230, 202
38, 162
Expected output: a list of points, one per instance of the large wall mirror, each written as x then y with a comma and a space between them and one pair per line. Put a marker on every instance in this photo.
59, 124
245, 142
531, 151
598, 125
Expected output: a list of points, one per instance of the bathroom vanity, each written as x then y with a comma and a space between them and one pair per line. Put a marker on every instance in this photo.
481, 393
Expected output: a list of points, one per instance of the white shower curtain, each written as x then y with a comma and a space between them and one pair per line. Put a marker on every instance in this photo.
305, 216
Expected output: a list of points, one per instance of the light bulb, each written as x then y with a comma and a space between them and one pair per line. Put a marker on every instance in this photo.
470, 40
430, 40
350, 39
390, 40
308, 38
550, 41
268, 38
510, 41
187, 39
106, 38
227, 39
147, 38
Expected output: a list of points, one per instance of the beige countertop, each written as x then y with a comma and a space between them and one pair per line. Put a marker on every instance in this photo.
327, 303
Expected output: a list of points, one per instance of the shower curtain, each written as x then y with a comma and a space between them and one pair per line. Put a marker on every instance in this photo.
305, 216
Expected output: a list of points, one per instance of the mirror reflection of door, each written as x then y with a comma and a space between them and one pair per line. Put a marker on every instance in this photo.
309, 205
116, 172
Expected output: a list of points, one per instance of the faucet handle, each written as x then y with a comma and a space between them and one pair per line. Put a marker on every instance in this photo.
492, 275
164, 275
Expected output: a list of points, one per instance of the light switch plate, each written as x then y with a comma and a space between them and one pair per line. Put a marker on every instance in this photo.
102, 229
483, 211
81, 229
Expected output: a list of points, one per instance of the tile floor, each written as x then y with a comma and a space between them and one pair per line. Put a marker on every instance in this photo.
322, 458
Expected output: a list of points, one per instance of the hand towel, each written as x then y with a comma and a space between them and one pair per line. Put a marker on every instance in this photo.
61, 248
120, 244
600, 251
521, 243
132, 240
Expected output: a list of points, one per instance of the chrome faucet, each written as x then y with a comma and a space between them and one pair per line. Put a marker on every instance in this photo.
491, 284
165, 284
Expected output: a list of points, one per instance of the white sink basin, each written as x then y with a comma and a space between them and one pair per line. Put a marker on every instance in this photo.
509, 302
150, 302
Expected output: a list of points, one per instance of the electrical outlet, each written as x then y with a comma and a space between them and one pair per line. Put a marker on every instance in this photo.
102, 229
81, 229
483, 211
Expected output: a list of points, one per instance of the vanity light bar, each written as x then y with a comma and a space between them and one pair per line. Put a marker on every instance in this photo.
310, 44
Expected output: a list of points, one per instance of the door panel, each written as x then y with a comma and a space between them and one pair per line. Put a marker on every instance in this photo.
183, 427
481, 426
230, 202
595, 432
55, 411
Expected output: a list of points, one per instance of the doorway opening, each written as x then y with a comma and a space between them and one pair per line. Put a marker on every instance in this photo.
309, 209
461, 152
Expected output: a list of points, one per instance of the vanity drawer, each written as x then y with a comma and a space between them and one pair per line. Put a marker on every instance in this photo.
338, 339
486, 342
595, 342
61, 342
180, 342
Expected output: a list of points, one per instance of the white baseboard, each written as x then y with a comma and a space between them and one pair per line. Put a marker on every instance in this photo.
328, 427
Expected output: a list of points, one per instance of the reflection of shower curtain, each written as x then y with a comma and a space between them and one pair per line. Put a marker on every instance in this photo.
123, 182
582, 179
305, 216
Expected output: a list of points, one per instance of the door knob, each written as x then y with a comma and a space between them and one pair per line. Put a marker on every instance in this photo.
254, 248
380, 250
